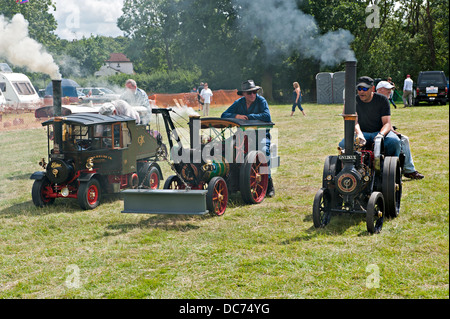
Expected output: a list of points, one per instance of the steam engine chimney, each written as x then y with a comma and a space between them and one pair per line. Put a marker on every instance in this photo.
350, 106
57, 126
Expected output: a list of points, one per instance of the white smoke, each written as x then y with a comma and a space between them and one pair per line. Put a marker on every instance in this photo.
21, 50
283, 29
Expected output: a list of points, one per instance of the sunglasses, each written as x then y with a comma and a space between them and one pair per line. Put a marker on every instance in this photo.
361, 88
251, 92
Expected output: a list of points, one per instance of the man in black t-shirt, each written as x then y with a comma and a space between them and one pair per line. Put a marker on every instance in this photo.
374, 118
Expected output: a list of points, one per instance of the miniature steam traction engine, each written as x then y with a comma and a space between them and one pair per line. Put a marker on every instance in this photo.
359, 180
91, 154
224, 156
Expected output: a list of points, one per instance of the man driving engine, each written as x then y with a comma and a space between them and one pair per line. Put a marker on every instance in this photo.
374, 118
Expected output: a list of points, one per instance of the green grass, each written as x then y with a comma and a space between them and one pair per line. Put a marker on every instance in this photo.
269, 250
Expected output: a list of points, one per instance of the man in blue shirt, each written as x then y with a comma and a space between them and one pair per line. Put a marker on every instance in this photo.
252, 107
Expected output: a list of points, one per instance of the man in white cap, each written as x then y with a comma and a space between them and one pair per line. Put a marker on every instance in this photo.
386, 88
410, 171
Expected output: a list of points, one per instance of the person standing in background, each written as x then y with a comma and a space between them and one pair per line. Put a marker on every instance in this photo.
391, 95
199, 98
206, 95
297, 97
408, 91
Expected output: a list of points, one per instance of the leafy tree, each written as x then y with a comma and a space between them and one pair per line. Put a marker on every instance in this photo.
42, 23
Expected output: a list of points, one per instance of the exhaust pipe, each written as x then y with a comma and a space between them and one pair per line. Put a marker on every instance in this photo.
350, 106
57, 125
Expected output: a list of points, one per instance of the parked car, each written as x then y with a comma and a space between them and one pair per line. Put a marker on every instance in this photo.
81, 95
431, 87
99, 94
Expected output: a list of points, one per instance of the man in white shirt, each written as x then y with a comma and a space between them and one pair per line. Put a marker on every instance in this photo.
408, 91
409, 170
206, 95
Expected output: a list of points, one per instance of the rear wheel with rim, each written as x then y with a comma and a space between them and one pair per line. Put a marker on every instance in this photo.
392, 186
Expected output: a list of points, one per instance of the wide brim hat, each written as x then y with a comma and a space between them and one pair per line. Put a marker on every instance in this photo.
248, 86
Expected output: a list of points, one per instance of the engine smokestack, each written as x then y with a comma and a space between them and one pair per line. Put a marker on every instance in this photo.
350, 105
57, 126
57, 97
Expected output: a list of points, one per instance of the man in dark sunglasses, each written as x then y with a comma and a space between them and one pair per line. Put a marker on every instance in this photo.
374, 117
252, 107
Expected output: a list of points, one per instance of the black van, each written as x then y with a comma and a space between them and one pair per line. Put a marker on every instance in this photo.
431, 87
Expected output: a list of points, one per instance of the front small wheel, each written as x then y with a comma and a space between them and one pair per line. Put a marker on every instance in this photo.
217, 196
173, 182
375, 213
321, 208
89, 194
40, 193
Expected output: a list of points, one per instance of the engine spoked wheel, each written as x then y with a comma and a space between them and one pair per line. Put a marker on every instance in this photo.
254, 178
173, 182
321, 208
375, 213
217, 196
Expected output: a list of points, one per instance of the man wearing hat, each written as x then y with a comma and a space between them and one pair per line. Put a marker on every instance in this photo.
408, 91
252, 107
374, 117
409, 169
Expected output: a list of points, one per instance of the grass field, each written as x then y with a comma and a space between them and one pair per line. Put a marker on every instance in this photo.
266, 251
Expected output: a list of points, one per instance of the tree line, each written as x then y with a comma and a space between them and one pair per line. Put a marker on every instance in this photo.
273, 42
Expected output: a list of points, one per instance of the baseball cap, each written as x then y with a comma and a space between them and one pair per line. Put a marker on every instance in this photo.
365, 81
107, 109
384, 84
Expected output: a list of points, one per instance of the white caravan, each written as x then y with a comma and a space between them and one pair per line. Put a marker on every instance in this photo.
18, 92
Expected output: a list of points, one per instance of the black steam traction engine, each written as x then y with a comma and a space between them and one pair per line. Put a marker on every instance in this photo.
359, 180
92, 154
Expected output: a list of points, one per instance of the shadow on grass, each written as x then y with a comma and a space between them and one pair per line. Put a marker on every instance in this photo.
61, 205
19, 177
28, 208
338, 225
173, 222
181, 223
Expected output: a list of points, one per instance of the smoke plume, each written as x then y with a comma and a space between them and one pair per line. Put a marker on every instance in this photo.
21, 50
284, 29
